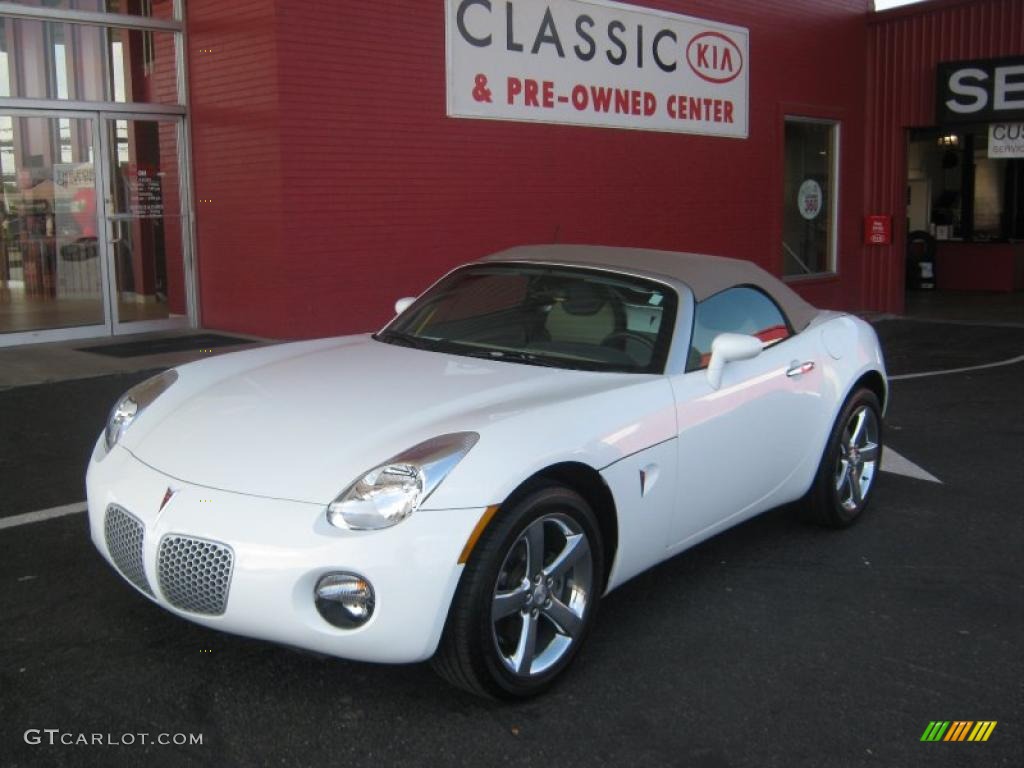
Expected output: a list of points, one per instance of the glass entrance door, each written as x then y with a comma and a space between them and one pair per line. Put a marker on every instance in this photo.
93, 238
146, 244
51, 267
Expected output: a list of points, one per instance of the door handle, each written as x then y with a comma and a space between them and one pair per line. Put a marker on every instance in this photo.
796, 368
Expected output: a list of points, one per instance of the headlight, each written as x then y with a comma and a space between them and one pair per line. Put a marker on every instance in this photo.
133, 402
389, 493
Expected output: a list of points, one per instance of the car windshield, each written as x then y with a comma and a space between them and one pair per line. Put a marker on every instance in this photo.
562, 317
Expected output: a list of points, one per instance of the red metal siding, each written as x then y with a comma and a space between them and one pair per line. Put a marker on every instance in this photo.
235, 108
903, 48
376, 192
956, 266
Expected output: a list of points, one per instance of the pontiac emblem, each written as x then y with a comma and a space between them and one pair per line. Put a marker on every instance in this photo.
168, 495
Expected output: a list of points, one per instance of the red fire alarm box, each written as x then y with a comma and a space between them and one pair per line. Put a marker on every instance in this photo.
878, 229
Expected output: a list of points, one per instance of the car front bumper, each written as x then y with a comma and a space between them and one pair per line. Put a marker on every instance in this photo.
273, 552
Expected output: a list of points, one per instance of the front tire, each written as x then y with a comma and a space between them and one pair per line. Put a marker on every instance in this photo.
527, 598
851, 462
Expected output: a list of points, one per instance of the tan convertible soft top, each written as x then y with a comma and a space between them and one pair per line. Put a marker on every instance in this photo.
705, 275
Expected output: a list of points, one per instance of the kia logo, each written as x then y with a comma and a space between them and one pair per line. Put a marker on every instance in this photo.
714, 57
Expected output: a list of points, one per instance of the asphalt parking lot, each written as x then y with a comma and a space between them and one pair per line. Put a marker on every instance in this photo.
774, 644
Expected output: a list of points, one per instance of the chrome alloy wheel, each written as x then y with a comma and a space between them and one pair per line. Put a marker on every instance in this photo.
541, 595
858, 458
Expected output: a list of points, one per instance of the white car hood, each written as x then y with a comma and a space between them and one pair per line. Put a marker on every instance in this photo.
302, 421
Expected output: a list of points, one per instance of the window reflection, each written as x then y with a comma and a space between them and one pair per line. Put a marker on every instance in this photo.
157, 9
49, 259
79, 62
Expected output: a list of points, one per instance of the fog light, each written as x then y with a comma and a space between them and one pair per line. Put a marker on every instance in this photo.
344, 599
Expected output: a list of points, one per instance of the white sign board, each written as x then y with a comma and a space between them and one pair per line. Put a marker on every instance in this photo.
596, 63
1006, 140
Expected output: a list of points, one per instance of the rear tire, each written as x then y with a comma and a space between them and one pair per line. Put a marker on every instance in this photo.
850, 464
527, 598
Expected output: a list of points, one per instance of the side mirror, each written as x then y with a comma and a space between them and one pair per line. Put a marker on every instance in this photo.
403, 304
727, 348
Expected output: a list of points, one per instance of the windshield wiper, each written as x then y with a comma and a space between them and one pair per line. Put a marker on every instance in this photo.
454, 348
429, 343
510, 355
521, 357
406, 340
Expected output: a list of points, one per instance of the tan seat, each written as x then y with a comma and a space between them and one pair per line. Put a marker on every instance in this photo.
585, 316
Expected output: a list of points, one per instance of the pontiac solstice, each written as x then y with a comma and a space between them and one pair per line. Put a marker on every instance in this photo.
466, 484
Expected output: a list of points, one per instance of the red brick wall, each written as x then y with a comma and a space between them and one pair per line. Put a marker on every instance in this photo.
235, 105
339, 184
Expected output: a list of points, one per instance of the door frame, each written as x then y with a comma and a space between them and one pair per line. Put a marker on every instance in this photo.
108, 289
117, 326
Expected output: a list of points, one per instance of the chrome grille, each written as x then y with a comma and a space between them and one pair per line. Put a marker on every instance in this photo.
195, 574
124, 534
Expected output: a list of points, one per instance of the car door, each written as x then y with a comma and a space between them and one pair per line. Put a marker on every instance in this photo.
741, 444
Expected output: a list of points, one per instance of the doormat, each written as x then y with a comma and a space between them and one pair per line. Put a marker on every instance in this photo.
169, 344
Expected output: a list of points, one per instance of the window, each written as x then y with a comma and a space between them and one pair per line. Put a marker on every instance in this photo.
539, 315
957, 192
809, 197
736, 310
478, 295
157, 9
44, 59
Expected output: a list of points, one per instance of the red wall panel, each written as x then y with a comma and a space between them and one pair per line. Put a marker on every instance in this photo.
339, 184
235, 109
996, 267
904, 45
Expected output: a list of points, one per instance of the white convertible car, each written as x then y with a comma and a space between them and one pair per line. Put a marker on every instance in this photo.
534, 430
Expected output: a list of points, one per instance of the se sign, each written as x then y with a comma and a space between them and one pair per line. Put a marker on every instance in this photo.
980, 91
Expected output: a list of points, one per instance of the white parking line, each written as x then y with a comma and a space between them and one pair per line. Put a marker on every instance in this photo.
1011, 361
43, 514
898, 464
